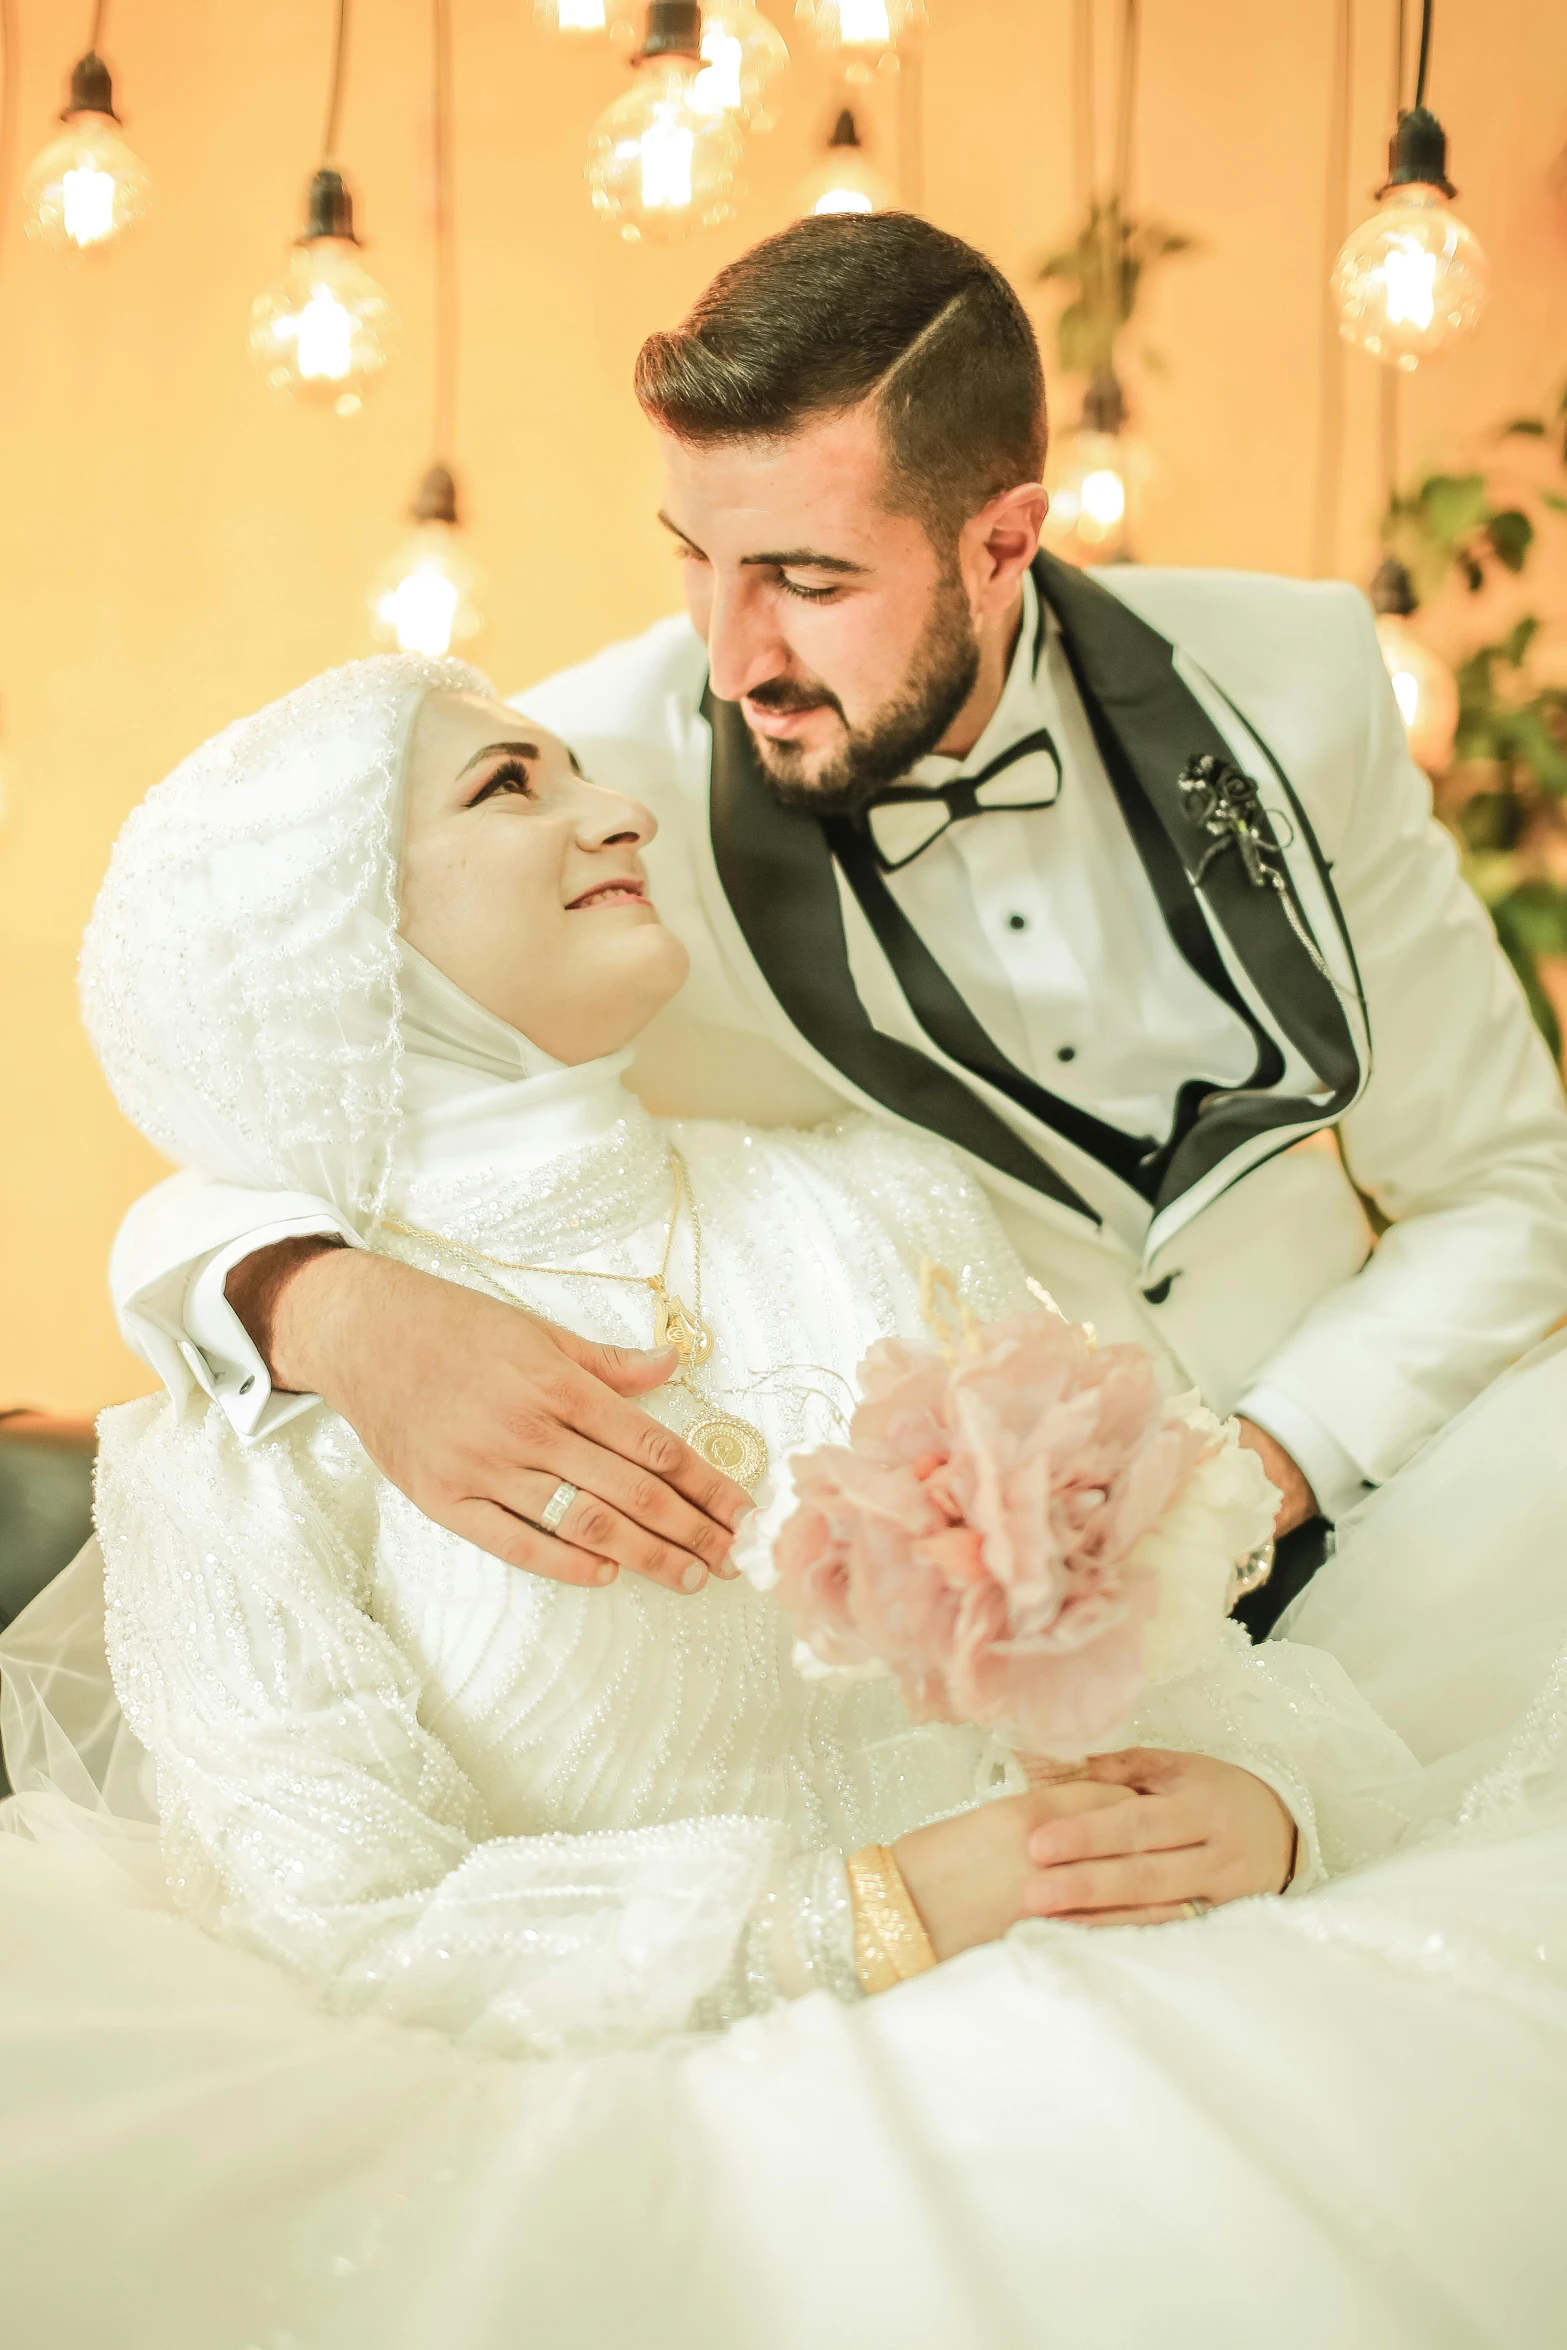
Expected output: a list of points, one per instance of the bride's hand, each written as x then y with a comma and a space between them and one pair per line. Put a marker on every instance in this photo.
1197, 1830
968, 1875
478, 1412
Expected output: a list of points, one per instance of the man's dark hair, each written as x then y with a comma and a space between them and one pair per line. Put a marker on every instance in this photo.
854, 307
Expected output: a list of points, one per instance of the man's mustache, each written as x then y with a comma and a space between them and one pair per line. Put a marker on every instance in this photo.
785, 694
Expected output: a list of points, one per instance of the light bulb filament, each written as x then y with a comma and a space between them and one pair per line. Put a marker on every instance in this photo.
1103, 498
1406, 693
421, 608
865, 23
87, 197
326, 338
668, 152
716, 89
1409, 274
843, 200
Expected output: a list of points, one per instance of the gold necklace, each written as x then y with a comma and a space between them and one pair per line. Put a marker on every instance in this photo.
727, 1443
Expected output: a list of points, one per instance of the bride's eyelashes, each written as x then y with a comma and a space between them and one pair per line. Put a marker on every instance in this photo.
510, 776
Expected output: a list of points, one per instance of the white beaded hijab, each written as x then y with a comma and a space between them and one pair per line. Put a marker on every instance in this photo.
240, 972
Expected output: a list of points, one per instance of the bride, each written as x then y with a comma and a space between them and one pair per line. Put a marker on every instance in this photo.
383, 943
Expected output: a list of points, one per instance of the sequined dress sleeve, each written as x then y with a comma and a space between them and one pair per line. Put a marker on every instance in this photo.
310, 1816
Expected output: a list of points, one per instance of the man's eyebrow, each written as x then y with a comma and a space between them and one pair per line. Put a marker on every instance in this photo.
520, 749
803, 559
790, 559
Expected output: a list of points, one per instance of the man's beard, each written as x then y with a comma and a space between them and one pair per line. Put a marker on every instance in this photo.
942, 675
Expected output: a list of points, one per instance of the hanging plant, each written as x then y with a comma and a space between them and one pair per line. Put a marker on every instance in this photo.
1106, 268
1504, 794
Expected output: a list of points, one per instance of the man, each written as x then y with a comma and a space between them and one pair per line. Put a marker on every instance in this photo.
1125, 886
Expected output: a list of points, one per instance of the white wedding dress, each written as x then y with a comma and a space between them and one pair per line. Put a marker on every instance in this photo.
427, 1955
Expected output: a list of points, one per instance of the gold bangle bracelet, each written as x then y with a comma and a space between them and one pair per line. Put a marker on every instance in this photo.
890, 1941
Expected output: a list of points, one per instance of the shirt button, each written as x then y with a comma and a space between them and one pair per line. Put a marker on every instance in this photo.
1017, 922
1066, 1052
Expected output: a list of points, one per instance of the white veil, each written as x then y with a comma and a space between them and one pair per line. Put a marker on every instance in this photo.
242, 986
240, 970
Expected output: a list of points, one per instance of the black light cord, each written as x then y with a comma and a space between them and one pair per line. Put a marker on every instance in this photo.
1128, 107
334, 101
100, 11
1330, 357
1083, 103
446, 319
1425, 52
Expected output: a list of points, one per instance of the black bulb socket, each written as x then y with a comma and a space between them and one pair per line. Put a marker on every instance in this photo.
1417, 154
329, 209
1104, 402
1392, 589
674, 29
845, 131
435, 500
92, 91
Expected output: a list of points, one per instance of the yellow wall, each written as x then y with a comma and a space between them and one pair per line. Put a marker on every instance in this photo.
177, 550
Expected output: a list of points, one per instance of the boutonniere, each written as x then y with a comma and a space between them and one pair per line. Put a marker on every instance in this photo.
1224, 803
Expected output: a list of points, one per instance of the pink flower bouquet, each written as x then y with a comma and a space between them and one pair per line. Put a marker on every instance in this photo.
1021, 1529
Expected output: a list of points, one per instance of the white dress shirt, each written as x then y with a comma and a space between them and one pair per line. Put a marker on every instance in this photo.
1046, 922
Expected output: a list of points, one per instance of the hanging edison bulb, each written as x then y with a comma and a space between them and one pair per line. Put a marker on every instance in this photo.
1095, 480
323, 332
1424, 687
845, 182
423, 599
872, 25
1411, 280
744, 63
660, 165
87, 187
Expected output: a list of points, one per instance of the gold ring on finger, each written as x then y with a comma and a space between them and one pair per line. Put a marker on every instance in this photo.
1197, 1907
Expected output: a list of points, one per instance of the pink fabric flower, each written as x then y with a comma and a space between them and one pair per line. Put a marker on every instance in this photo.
976, 1533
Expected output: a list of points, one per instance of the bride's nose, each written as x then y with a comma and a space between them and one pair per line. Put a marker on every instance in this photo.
607, 819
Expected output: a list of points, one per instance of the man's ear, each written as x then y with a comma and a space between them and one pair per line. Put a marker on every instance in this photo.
1000, 542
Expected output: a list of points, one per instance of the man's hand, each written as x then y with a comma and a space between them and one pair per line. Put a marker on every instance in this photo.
968, 1875
1298, 1502
1197, 1830
478, 1412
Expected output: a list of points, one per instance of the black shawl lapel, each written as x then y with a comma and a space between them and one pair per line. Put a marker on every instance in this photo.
776, 870
1148, 723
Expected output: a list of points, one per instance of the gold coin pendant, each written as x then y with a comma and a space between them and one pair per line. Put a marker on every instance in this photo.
731, 1446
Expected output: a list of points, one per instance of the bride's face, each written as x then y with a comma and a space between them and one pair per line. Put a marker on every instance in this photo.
523, 882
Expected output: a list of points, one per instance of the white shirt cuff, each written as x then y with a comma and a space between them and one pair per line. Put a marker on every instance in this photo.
218, 1350
1337, 1481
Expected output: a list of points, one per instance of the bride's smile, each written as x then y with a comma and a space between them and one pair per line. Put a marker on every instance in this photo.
506, 844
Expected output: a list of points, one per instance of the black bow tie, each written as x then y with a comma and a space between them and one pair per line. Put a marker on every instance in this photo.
903, 820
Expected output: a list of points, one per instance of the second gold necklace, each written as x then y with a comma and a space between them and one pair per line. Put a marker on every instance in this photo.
727, 1443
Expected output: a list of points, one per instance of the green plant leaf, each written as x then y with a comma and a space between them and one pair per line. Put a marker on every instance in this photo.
1558, 505
1534, 426
1511, 534
1452, 505
1519, 638
1490, 822
1536, 747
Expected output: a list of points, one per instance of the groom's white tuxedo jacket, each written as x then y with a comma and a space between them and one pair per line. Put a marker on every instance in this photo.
1331, 1023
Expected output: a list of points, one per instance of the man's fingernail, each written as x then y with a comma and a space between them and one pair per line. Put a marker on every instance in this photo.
747, 1509
605, 1571
694, 1576
729, 1574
